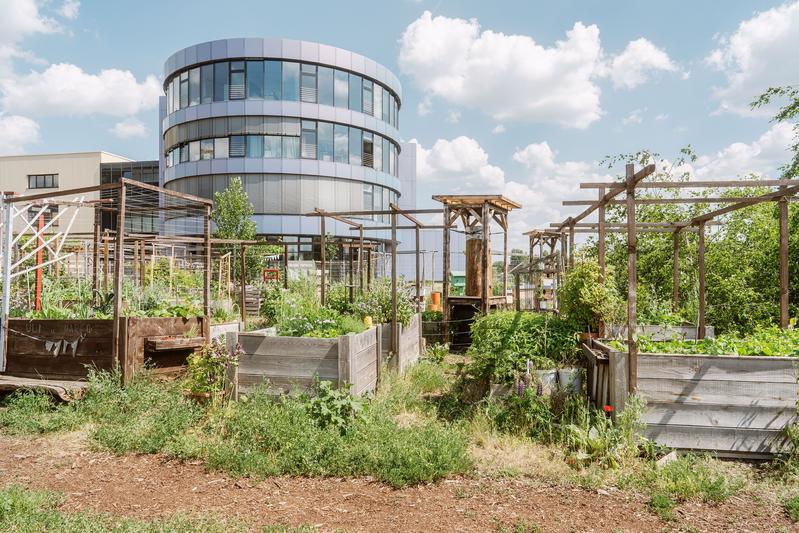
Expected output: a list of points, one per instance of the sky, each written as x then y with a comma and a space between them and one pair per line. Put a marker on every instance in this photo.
523, 98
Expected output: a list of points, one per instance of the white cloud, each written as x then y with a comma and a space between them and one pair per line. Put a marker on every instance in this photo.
425, 106
509, 77
16, 132
639, 60
130, 127
66, 90
69, 9
661, 117
460, 165
499, 128
761, 53
20, 18
635, 117
453, 117
762, 156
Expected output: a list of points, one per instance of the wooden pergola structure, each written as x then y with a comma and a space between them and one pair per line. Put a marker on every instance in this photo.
476, 213
607, 193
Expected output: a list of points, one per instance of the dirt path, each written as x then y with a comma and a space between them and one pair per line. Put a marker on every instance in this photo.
146, 486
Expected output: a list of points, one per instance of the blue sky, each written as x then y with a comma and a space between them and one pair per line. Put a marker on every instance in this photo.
517, 97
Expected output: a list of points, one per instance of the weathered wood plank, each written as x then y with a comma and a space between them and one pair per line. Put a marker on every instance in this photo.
249, 382
730, 416
304, 367
711, 439
703, 391
287, 346
67, 390
757, 369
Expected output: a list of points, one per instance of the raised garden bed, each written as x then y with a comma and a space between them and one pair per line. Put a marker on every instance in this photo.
727, 404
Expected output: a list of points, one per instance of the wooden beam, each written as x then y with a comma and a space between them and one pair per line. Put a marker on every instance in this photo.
690, 184
323, 252
488, 267
430, 211
119, 271
571, 244
418, 271
632, 284
207, 275
601, 237
786, 191
668, 201
243, 285
784, 318
445, 272
701, 268
675, 275
394, 323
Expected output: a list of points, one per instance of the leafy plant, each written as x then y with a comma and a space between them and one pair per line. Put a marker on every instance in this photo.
334, 407
436, 352
432, 316
503, 342
207, 368
588, 302
792, 508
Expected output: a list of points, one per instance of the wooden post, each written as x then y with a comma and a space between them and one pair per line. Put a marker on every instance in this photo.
119, 269
351, 273
784, 318
601, 237
323, 242
418, 235
243, 285
106, 264
505, 265
368, 268
675, 277
96, 253
488, 268
701, 261
394, 323
571, 243
445, 274
632, 285
135, 261
285, 266
360, 257
207, 277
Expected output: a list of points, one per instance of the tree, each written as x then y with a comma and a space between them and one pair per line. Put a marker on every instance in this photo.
232, 213
787, 113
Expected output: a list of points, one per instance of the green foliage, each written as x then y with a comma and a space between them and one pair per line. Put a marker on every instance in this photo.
792, 508
588, 302
436, 352
35, 412
587, 434
331, 407
662, 505
686, 478
207, 368
789, 112
763, 341
432, 316
376, 303
502, 342
232, 213
24, 510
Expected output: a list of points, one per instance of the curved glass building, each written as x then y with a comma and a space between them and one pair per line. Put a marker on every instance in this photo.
304, 125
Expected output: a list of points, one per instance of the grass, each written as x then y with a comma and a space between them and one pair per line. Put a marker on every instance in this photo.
23, 509
792, 508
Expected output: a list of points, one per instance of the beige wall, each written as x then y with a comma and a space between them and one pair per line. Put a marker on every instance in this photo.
74, 170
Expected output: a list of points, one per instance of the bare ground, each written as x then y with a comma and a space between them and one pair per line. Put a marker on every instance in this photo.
147, 486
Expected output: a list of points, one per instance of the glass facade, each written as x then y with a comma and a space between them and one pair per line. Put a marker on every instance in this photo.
279, 137
290, 194
280, 80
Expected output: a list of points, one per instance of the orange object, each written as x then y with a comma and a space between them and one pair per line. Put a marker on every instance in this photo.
435, 298
271, 274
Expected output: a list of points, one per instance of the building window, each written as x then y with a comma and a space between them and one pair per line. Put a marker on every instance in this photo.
206, 84
291, 147
274, 80
325, 138
355, 93
308, 139
387, 98
368, 149
184, 153
291, 81
326, 84
386, 155
355, 146
378, 157
237, 80
221, 145
237, 146
255, 79
42, 181
255, 146
368, 98
220, 81
194, 151
194, 86
184, 90
378, 111
341, 141
342, 89
308, 84
47, 214
207, 149
272, 147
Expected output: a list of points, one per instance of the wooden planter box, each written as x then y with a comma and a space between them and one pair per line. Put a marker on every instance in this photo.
730, 405
66, 349
290, 362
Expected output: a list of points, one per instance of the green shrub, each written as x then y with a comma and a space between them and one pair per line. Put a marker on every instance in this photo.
662, 505
588, 302
432, 316
792, 508
436, 352
36, 412
331, 407
502, 343
688, 478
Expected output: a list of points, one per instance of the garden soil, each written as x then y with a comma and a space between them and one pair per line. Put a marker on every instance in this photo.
147, 486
